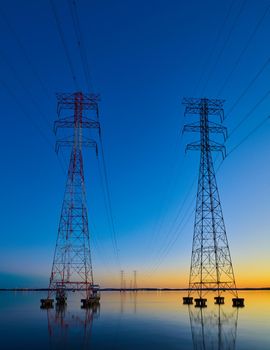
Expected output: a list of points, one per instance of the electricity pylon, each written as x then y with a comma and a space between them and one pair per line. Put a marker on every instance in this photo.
72, 266
122, 281
135, 280
211, 264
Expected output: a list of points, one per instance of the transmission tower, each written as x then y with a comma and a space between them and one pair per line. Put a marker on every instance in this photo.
122, 280
211, 265
72, 266
135, 280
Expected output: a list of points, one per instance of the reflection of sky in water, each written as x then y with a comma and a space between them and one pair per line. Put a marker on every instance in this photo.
145, 320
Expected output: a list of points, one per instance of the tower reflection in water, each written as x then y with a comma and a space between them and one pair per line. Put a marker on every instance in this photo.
71, 327
213, 329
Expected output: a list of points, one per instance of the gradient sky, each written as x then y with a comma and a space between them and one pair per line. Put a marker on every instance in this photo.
144, 56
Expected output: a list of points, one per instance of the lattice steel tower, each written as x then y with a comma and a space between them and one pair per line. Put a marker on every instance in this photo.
211, 265
72, 266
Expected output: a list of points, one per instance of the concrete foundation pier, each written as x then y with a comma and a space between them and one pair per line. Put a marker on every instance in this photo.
238, 302
200, 302
61, 300
219, 300
89, 302
46, 303
187, 300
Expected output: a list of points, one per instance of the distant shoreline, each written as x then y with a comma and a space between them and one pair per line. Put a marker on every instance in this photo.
128, 289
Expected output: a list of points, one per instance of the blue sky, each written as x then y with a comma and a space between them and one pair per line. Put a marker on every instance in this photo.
144, 57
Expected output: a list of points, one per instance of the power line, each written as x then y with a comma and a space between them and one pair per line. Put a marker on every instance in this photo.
80, 42
224, 44
170, 185
251, 83
214, 45
83, 55
250, 112
24, 87
31, 99
171, 231
109, 218
243, 51
26, 56
109, 198
180, 227
78, 33
26, 114
248, 135
64, 44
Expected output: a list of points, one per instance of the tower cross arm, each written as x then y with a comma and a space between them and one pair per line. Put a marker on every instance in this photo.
69, 123
213, 146
194, 106
69, 143
212, 128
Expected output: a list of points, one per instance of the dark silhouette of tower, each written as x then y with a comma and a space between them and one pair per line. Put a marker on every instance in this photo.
211, 265
122, 280
135, 280
72, 266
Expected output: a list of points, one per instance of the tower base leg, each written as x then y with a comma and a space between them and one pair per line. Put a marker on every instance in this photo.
200, 302
187, 300
238, 302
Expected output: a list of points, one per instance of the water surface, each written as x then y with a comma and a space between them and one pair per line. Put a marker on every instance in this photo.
142, 320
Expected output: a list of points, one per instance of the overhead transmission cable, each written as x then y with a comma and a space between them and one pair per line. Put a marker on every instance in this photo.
168, 247
178, 229
25, 88
80, 42
26, 114
248, 87
108, 211
245, 138
242, 6
26, 56
257, 127
85, 64
248, 115
213, 48
170, 184
64, 44
244, 49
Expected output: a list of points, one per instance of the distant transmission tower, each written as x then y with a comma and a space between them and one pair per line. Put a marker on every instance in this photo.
211, 265
72, 266
122, 280
135, 280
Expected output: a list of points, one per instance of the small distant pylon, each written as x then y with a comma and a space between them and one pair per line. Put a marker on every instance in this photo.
135, 280
211, 264
122, 280
72, 266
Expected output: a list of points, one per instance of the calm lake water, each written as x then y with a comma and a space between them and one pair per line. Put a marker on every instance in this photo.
143, 320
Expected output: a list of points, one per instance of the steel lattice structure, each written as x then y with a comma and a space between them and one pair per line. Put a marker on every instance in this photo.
211, 265
72, 266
